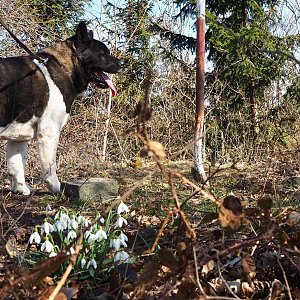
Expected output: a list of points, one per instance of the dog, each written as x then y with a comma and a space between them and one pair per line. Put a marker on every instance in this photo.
36, 96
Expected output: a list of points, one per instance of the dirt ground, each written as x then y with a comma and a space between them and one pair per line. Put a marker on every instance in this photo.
237, 238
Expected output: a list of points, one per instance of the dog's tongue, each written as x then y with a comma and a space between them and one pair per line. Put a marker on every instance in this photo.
110, 83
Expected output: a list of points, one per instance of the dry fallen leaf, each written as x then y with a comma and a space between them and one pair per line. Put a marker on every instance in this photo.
248, 266
293, 218
265, 202
228, 219
11, 247
187, 290
210, 265
233, 203
149, 273
168, 259
153, 148
46, 293
230, 212
48, 280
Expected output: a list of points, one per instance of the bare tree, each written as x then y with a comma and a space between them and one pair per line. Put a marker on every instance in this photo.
200, 77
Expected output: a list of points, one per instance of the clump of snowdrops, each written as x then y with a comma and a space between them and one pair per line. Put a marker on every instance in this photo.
104, 243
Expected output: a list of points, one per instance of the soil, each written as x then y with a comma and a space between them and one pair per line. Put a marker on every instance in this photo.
243, 246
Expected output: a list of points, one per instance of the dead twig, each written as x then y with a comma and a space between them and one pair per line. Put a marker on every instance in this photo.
248, 242
73, 259
159, 234
285, 278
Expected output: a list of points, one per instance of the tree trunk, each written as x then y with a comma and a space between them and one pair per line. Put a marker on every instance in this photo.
200, 77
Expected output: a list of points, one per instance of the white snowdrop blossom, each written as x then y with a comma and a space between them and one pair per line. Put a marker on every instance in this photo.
48, 207
94, 227
64, 224
35, 237
102, 220
52, 254
80, 219
115, 243
123, 239
92, 263
73, 224
72, 251
83, 221
120, 221
72, 235
91, 238
122, 208
62, 221
59, 226
61, 216
86, 223
47, 228
47, 246
87, 234
121, 256
83, 262
100, 235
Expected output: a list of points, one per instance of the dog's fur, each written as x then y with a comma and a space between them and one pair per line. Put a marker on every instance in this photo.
36, 98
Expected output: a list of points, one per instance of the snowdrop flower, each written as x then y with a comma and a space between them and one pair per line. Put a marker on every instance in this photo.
52, 254
72, 235
62, 221
115, 243
100, 235
92, 263
35, 237
80, 219
83, 221
94, 227
73, 224
47, 228
123, 239
72, 251
59, 226
102, 220
47, 246
121, 256
83, 262
86, 223
122, 208
63, 218
91, 238
87, 234
120, 221
48, 207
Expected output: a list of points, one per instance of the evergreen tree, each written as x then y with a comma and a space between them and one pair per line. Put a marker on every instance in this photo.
246, 59
138, 55
58, 15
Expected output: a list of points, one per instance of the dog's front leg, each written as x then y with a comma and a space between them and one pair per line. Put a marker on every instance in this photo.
47, 141
16, 158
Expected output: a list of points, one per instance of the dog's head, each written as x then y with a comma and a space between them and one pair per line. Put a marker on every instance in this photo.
95, 58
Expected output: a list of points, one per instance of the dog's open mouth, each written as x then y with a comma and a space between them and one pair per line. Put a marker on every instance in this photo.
103, 81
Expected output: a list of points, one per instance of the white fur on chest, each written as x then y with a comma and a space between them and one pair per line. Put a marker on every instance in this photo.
55, 110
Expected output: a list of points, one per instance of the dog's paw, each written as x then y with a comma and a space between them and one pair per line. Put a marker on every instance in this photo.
53, 186
22, 189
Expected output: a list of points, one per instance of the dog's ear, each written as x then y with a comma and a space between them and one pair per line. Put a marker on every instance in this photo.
81, 37
82, 33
